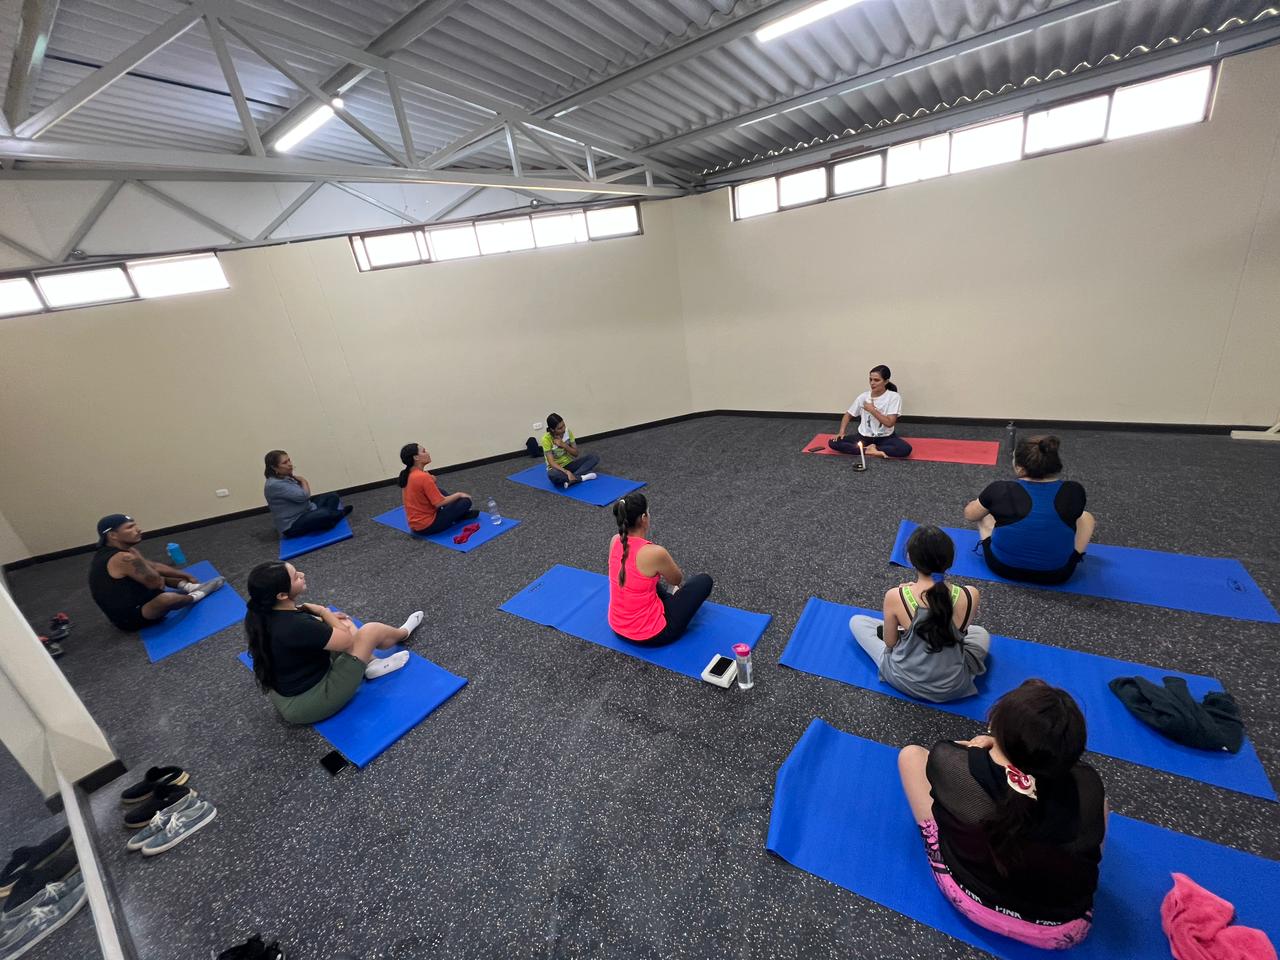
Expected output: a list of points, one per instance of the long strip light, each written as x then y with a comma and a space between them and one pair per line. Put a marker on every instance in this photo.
305, 127
802, 18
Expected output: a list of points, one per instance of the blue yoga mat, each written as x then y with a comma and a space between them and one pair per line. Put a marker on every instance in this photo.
192, 623
840, 814
384, 710
600, 492
577, 602
488, 529
1176, 581
822, 645
291, 547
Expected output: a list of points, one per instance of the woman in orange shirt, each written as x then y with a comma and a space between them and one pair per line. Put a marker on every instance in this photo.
428, 508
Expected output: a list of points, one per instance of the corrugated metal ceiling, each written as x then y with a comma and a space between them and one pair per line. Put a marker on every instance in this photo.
544, 56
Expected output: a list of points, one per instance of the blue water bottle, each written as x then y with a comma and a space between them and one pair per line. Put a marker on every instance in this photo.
176, 555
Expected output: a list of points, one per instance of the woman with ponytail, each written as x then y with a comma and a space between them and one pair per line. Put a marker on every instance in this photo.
650, 600
1035, 528
428, 508
877, 410
927, 646
1012, 821
307, 659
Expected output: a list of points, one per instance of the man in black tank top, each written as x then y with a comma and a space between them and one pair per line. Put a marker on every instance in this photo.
129, 588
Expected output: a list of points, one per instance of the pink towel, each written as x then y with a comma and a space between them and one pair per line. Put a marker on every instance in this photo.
1198, 925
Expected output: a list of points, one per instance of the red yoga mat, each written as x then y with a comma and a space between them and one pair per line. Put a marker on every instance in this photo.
979, 452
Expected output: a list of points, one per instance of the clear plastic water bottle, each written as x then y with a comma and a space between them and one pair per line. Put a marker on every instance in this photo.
1011, 439
742, 653
492, 508
176, 555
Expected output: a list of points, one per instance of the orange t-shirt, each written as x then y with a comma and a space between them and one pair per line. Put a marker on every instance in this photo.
422, 499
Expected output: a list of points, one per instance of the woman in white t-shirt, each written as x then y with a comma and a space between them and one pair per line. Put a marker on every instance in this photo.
877, 411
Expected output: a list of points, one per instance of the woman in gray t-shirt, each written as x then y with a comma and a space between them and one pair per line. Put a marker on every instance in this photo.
926, 646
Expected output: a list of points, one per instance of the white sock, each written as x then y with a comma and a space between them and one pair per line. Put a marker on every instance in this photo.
586, 476
196, 595
411, 624
188, 587
381, 667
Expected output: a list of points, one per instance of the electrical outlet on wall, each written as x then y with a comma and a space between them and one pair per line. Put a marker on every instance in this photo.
222, 493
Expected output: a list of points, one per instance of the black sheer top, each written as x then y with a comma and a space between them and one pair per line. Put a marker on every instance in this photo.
1054, 874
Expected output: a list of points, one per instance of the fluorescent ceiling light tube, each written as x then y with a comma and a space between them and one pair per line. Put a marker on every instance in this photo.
801, 106
757, 120
305, 127
802, 18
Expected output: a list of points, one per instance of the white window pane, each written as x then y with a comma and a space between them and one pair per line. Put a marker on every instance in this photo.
864, 173
1067, 125
389, 249
85, 286
454, 243
552, 231
18, 296
757, 197
933, 157
903, 162
987, 145
613, 222
802, 187
362, 258
492, 237
169, 276
1167, 102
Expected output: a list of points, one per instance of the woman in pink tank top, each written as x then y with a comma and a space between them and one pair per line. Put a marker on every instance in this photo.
650, 599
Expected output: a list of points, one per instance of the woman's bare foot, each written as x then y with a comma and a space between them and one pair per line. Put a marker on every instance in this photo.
871, 450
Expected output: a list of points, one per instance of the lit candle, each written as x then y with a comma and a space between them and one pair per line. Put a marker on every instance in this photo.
862, 454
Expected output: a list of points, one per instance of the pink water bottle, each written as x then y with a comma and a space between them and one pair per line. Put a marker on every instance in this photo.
743, 654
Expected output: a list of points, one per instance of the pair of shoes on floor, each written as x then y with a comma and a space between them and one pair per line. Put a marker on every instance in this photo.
253, 949
173, 812
155, 779
52, 906
36, 857
49, 865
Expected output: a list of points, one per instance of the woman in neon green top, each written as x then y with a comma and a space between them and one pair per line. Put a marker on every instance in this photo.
927, 646
565, 465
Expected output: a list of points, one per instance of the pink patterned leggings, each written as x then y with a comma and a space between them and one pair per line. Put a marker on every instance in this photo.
1047, 936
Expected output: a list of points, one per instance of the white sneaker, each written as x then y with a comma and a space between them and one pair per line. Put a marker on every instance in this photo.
586, 476
380, 667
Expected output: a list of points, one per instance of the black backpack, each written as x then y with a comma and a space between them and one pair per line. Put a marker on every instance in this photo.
531, 447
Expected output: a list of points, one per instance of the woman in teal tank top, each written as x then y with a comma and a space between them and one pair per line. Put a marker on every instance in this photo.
927, 646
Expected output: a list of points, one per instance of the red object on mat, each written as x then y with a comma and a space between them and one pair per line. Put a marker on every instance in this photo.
981, 453
1198, 925
466, 533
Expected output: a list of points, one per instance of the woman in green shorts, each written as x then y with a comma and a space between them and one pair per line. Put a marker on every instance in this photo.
309, 660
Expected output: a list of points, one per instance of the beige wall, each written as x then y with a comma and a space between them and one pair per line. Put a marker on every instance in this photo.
147, 408
1131, 281
11, 545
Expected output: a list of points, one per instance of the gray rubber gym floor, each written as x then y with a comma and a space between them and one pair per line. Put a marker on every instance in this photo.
574, 802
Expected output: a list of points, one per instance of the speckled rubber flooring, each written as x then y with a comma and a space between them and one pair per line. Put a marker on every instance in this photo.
572, 802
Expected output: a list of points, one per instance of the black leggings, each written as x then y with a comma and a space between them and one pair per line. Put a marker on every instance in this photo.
325, 516
680, 608
1044, 578
448, 515
891, 446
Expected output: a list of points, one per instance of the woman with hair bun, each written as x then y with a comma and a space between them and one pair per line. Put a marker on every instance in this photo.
1012, 821
650, 600
1034, 529
877, 410
427, 508
927, 645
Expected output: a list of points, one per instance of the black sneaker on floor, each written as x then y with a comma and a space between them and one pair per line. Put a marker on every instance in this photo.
26, 859
31, 884
156, 777
140, 814
253, 949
